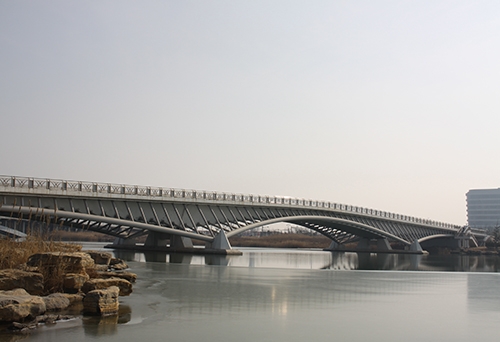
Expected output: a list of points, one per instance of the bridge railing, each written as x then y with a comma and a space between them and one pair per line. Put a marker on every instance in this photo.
158, 192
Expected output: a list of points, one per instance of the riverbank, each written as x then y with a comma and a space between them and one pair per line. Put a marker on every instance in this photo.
40, 279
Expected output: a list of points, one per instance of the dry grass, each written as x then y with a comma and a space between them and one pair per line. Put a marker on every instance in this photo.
281, 241
61, 235
16, 253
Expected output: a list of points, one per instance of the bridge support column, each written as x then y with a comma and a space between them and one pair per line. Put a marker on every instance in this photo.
156, 239
221, 241
415, 247
177, 241
335, 246
363, 244
383, 245
463, 242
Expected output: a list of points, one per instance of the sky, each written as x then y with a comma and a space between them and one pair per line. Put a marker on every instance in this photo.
390, 105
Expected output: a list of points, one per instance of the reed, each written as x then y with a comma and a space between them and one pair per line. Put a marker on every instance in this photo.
281, 241
13, 253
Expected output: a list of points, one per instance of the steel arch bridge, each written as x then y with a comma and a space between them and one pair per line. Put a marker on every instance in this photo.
129, 211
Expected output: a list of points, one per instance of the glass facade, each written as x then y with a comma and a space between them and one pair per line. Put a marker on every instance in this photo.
483, 208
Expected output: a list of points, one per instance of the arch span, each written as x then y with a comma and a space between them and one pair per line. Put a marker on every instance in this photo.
335, 225
447, 240
436, 236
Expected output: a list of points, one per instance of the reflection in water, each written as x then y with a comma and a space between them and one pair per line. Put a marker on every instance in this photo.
286, 303
307, 259
482, 293
106, 325
155, 257
206, 291
219, 260
177, 258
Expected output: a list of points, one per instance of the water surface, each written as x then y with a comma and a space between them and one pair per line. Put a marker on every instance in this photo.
298, 295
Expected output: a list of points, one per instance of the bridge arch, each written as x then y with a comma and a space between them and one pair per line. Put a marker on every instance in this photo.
436, 236
336, 225
445, 240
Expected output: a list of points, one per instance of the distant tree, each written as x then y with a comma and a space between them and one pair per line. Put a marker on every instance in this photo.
496, 236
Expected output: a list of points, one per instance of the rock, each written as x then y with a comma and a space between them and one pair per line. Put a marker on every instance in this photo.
101, 302
129, 276
56, 301
74, 298
43, 319
77, 262
95, 284
23, 328
18, 305
73, 282
11, 279
100, 258
101, 268
117, 264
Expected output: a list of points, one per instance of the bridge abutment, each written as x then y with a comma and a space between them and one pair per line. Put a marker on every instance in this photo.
221, 241
415, 247
383, 245
177, 241
156, 239
172, 243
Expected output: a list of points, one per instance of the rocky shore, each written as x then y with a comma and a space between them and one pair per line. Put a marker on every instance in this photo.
49, 283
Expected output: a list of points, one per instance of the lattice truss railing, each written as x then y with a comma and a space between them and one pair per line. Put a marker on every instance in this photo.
81, 188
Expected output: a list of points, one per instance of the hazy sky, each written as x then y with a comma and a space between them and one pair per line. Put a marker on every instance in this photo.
392, 105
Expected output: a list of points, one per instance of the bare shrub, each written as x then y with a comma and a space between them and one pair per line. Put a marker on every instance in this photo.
281, 241
16, 253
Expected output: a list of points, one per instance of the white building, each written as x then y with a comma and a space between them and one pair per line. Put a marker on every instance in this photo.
483, 208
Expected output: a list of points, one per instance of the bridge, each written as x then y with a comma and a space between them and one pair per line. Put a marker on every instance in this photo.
177, 216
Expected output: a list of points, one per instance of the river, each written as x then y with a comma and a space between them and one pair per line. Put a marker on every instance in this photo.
298, 295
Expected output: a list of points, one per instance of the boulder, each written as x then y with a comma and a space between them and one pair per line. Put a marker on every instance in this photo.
117, 264
11, 279
77, 262
101, 268
44, 319
100, 258
73, 282
56, 301
18, 305
74, 298
129, 276
101, 302
96, 284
